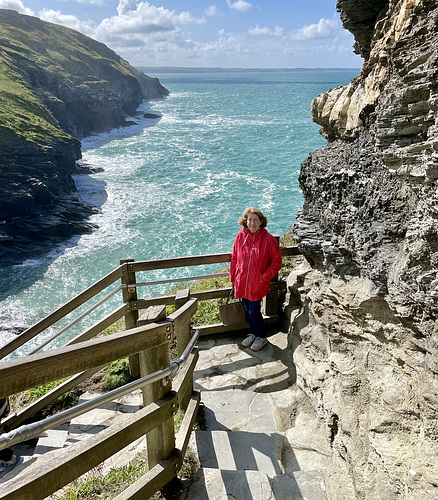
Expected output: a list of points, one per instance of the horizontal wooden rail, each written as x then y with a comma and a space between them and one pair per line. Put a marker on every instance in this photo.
214, 293
290, 251
195, 260
153, 480
17, 419
62, 311
221, 328
31, 371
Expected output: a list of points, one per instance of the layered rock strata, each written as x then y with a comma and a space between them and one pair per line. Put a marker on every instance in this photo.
366, 353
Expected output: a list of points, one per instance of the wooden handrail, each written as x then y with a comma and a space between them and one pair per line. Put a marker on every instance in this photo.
29, 411
214, 293
61, 311
195, 260
31, 371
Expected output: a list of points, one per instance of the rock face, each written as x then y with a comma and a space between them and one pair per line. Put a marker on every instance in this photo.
366, 353
57, 86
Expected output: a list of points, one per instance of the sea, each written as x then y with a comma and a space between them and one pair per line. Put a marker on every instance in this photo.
176, 185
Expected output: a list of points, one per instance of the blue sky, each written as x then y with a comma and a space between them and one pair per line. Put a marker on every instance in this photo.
208, 33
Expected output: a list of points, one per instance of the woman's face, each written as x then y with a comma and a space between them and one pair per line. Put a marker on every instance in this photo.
253, 223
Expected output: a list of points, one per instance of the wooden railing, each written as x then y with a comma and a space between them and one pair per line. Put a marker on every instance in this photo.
146, 341
155, 420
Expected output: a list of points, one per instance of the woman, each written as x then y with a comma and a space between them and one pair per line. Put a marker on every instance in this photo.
255, 260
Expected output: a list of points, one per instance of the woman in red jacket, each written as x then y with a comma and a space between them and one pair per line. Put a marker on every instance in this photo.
255, 260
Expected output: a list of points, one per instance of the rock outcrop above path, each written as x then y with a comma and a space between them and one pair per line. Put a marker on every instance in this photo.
57, 86
368, 334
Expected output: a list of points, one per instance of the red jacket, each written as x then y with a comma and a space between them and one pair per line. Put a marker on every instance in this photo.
255, 260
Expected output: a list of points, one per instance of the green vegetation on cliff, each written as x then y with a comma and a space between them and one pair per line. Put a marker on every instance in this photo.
23, 114
47, 70
56, 87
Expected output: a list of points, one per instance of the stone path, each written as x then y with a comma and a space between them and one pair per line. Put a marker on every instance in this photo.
258, 443
252, 447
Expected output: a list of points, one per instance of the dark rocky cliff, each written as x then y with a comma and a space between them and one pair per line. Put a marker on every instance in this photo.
57, 86
365, 336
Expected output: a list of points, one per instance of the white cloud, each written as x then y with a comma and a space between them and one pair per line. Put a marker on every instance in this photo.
16, 5
325, 28
210, 11
125, 6
239, 5
57, 17
257, 31
142, 18
147, 35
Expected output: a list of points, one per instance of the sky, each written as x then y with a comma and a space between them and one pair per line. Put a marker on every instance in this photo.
208, 33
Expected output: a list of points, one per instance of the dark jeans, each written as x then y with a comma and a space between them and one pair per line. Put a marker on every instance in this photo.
254, 317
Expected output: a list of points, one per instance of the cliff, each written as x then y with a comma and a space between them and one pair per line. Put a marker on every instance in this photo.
364, 330
56, 87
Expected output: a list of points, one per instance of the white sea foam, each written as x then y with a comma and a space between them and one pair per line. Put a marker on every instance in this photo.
177, 186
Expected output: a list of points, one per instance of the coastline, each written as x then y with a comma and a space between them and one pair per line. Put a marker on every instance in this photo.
67, 221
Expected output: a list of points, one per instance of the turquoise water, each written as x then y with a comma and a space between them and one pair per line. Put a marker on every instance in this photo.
177, 185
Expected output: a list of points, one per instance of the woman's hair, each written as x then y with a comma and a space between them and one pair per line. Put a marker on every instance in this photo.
256, 211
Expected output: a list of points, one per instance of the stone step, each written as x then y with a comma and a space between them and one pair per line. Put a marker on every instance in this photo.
238, 450
51, 440
100, 418
91, 423
300, 485
237, 410
226, 484
218, 484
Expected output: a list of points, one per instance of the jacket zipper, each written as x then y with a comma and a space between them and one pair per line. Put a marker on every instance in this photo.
249, 264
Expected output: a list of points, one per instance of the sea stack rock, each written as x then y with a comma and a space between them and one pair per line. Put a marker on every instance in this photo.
366, 342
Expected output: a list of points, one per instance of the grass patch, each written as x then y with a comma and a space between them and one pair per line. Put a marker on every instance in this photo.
208, 310
103, 487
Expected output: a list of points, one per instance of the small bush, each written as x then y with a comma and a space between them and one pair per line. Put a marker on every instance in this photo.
117, 374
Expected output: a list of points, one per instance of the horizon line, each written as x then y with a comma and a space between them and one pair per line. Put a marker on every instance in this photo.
236, 68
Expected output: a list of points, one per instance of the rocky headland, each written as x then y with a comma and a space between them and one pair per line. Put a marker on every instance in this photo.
365, 299
57, 87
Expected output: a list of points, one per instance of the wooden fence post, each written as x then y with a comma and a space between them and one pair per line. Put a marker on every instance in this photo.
270, 302
183, 332
129, 295
156, 358
161, 439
